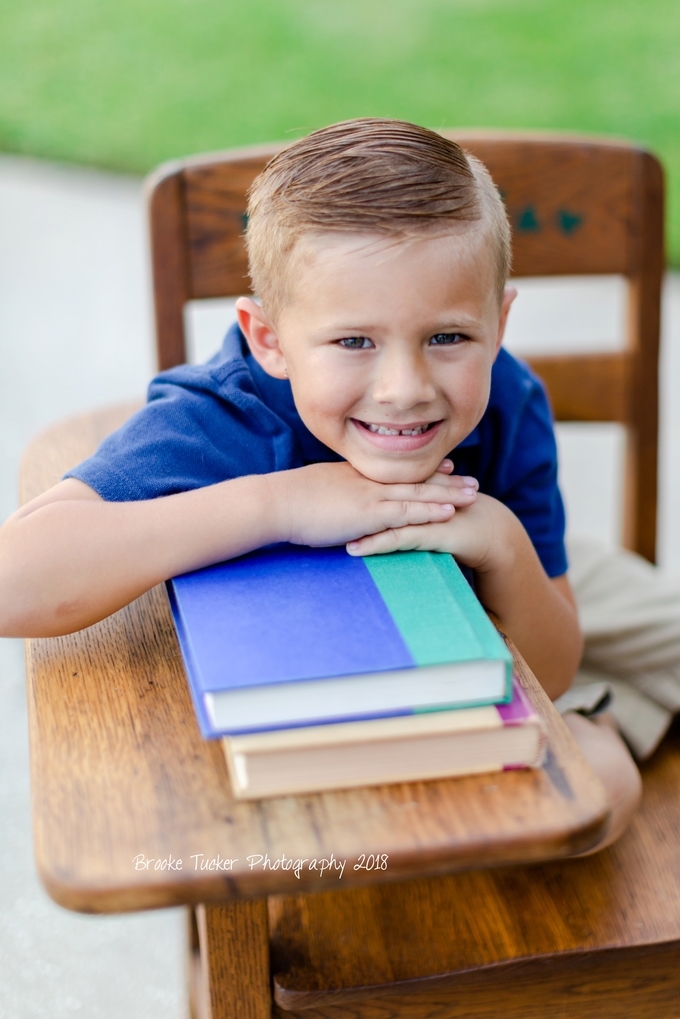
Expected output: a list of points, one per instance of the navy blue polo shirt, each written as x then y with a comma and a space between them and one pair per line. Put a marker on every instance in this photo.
228, 418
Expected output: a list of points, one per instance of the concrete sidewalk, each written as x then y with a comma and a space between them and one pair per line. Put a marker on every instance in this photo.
75, 333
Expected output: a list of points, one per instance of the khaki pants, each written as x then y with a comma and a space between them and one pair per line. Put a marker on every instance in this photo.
630, 617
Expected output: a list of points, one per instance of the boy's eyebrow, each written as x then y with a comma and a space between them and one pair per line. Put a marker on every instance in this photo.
456, 322
445, 324
349, 329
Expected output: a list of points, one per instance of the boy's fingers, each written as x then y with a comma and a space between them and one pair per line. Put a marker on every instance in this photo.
434, 495
438, 488
374, 544
405, 513
453, 481
458, 497
394, 539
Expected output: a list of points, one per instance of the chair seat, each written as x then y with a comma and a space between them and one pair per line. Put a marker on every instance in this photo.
599, 936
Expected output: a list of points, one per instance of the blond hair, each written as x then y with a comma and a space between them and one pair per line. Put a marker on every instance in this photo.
370, 175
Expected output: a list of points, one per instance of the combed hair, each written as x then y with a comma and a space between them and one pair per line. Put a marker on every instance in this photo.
370, 175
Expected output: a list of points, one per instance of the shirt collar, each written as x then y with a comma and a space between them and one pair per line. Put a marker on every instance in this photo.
278, 396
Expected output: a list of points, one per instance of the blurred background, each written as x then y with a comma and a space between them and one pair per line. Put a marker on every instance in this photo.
93, 94
127, 84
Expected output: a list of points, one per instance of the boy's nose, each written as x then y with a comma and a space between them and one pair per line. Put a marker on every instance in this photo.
403, 382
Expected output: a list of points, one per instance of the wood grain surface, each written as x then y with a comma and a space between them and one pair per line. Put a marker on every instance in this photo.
643, 324
642, 983
121, 774
171, 269
234, 980
590, 387
591, 938
572, 201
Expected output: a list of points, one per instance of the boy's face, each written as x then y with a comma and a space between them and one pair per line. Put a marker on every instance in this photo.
388, 345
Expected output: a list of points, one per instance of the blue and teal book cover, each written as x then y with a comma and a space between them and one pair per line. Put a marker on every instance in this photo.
289, 636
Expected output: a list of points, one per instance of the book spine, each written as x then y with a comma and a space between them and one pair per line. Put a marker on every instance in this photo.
486, 632
190, 665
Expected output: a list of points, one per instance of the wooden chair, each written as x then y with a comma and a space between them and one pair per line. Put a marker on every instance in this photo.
577, 206
596, 937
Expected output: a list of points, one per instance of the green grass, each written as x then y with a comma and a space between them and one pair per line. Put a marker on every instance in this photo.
128, 83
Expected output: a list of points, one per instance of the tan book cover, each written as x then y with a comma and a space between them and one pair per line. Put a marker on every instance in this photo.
410, 748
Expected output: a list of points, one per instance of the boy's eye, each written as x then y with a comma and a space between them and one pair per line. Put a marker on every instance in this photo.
356, 342
446, 339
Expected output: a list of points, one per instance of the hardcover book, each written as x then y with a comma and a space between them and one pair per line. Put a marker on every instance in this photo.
439, 744
291, 636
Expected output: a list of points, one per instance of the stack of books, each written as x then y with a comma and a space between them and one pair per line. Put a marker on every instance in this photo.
321, 671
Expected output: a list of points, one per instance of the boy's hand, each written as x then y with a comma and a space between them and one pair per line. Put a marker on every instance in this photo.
331, 504
477, 535
538, 613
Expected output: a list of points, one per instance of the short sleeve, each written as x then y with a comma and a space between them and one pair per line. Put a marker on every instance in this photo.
201, 425
531, 488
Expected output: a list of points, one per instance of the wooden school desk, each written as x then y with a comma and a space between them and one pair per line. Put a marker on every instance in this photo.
121, 776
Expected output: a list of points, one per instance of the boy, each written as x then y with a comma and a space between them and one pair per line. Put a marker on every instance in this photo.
380, 253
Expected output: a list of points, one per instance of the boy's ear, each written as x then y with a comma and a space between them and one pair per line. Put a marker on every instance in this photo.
509, 295
262, 337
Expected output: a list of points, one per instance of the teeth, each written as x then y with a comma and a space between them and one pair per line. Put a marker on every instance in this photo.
381, 430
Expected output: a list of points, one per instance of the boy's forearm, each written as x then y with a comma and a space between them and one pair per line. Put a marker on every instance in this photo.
537, 613
70, 562
68, 558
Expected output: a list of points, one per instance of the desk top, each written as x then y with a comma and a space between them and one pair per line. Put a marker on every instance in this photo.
133, 809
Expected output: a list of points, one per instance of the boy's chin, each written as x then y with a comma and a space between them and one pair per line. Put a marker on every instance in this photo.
391, 472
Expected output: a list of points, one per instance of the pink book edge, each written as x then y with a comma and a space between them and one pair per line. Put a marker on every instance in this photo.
519, 711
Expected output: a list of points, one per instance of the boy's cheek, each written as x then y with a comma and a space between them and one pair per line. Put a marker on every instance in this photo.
322, 407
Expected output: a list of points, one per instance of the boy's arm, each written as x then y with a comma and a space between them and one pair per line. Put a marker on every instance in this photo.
538, 613
68, 558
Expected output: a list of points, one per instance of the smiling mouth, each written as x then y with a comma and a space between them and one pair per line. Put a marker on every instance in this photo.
387, 430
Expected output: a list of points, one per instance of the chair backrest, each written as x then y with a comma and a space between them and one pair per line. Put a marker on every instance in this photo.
577, 206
